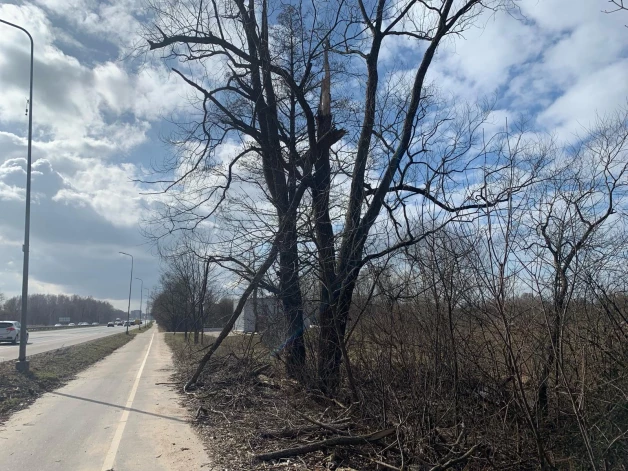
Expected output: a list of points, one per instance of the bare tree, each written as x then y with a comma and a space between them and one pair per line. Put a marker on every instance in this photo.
395, 154
587, 194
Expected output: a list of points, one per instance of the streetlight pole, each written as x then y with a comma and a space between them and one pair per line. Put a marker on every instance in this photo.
141, 299
128, 312
22, 363
146, 308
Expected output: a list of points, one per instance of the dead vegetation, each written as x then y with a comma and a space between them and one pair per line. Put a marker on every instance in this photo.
412, 413
466, 279
251, 415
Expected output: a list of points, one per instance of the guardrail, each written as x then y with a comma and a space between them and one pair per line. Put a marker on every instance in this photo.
36, 328
51, 327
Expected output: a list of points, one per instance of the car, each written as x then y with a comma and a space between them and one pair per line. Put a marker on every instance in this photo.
111, 324
10, 332
126, 324
58, 325
120, 323
83, 323
95, 323
71, 324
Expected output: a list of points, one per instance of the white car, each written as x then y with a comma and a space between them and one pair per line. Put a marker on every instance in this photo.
10, 332
71, 324
95, 323
58, 325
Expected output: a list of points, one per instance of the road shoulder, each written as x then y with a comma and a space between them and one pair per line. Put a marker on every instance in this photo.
161, 438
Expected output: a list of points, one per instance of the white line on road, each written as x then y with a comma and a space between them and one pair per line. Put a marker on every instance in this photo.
117, 438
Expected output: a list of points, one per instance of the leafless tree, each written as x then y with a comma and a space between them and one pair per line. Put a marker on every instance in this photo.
586, 195
260, 70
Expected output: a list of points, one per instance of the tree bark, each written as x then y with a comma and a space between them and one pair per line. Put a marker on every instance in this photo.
292, 301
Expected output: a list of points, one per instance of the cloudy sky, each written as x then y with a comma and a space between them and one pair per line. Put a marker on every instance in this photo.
98, 118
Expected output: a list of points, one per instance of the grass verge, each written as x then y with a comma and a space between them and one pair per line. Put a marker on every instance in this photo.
51, 370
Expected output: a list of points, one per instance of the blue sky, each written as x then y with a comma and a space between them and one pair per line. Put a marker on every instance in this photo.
98, 118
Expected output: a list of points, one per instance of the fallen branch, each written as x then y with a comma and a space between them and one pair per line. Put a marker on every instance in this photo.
455, 461
255, 280
386, 465
259, 370
270, 259
295, 432
336, 441
329, 427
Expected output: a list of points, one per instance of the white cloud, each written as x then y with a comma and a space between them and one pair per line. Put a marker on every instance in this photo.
91, 114
111, 20
598, 93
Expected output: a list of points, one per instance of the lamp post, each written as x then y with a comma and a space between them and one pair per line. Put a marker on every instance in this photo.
146, 308
22, 363
128, 312
141, 299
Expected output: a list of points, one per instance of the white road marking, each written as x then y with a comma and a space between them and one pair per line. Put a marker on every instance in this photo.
117, 438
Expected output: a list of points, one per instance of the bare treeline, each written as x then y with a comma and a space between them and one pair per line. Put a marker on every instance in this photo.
188, 298
466, 276
46, 309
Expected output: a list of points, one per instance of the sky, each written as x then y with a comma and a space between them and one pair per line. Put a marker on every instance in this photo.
98, 117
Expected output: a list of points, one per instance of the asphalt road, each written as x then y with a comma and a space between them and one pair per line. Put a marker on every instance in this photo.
45, 340
117, 415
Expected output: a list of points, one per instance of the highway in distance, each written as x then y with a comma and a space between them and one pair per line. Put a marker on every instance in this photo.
46, 340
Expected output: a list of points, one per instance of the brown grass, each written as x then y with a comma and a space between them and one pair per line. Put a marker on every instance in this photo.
238, 407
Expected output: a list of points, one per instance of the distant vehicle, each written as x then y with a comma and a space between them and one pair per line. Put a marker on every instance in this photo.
119, 323
111, 324
95, 323
83, 323
10, 332
71, 324
126, 324
58, 325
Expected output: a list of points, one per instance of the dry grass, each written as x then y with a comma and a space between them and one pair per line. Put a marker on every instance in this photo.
235, 409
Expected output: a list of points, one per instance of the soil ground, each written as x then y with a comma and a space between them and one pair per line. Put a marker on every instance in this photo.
243, 398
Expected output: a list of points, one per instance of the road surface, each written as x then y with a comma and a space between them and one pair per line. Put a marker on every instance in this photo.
112, 417
45, 340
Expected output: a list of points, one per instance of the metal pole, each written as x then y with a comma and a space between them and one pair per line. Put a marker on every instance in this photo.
22, 363
128, 312
146, 309
141, 298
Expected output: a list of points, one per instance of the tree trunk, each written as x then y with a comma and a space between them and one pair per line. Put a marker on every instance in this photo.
292, 301
331, 341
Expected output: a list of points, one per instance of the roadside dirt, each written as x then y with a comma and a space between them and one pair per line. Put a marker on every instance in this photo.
176, 446
240, 412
